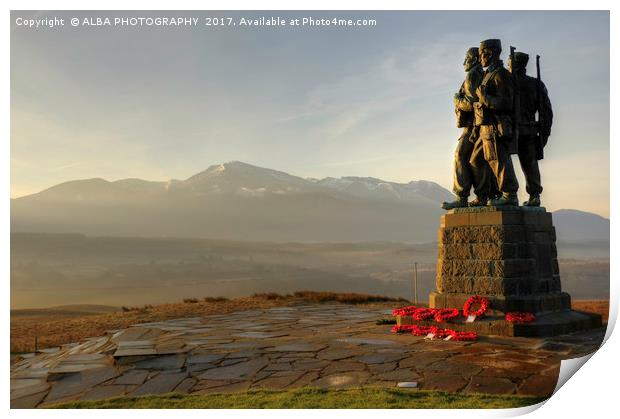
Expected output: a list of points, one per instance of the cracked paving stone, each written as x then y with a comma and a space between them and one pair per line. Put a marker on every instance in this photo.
421, 359
162, 383
244, 345
344, 366
490, 385
305, 379
445, 382
399, 375
380, 358
74, 384
204, 384
27, 387
379, 368
331, 338
28, 402
165, 362
279, 380
345, 380
279, 366
337, 354
196, 369
363, 341
538, 385
310, 364
227, 388
450, 367
104, 392
238, 371
233, 361
204, 358
244, 354
504, 373
132, 377
498, 361
186, 385
260, 335
300, 347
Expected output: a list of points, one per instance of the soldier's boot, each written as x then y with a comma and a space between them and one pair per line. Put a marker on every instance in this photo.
480, 201
459, 203
505, 199
534, 201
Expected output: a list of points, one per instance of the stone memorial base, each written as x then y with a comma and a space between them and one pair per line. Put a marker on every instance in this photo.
509, 256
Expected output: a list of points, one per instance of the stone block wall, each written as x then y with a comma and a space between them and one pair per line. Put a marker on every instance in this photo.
506, 254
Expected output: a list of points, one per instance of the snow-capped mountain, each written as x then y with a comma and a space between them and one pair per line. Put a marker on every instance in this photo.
240, 201
373, 188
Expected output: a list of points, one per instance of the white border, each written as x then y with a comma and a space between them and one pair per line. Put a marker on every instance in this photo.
592, 392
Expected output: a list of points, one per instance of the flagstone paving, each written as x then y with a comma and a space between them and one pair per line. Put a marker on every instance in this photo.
326, 346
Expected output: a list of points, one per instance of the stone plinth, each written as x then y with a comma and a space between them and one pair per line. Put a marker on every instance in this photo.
509, 256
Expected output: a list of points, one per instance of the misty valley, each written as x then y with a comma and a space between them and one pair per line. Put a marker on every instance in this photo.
60, 269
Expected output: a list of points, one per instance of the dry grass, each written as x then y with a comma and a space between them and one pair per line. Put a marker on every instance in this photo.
346, 298
53, 328
313, 398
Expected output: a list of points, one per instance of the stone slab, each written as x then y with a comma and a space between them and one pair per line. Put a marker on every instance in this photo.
242, 370
104, 392
161, 383
299, 347
77, 383
132, 377
28, 402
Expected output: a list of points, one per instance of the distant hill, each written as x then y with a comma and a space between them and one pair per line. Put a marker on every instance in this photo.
65, 310
574, 225
239, 201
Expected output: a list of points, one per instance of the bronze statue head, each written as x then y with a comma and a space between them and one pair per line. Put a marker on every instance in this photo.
490, 51
520, 62
471, 58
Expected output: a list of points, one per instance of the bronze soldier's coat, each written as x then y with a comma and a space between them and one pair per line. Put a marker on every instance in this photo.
532, 136
493, 117
467, 175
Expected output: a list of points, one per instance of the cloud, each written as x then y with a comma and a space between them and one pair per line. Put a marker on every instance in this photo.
64, 167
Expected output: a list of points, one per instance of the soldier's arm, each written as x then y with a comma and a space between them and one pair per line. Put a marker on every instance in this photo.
546, 113
464, 104
502, 100
472, 81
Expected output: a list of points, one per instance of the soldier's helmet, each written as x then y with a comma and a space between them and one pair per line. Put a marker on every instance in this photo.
492, 44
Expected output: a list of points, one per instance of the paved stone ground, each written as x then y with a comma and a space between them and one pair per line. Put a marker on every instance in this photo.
327, 346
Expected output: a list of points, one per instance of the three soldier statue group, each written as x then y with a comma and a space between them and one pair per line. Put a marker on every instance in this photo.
497, 108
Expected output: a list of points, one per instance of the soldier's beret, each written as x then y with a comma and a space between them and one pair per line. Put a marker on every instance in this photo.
473, 52
491, 44
521, 59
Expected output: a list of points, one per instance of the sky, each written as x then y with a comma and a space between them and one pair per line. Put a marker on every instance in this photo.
161, 103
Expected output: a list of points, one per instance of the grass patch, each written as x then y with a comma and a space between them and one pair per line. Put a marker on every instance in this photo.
344, 297
313, 398
326, 297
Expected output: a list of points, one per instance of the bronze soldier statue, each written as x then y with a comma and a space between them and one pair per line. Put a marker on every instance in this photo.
467, 175
533, 135
493, 117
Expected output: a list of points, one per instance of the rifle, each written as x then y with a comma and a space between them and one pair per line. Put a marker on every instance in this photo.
515, 103
540, 142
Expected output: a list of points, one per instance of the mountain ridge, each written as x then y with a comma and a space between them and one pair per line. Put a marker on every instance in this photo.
237, 200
